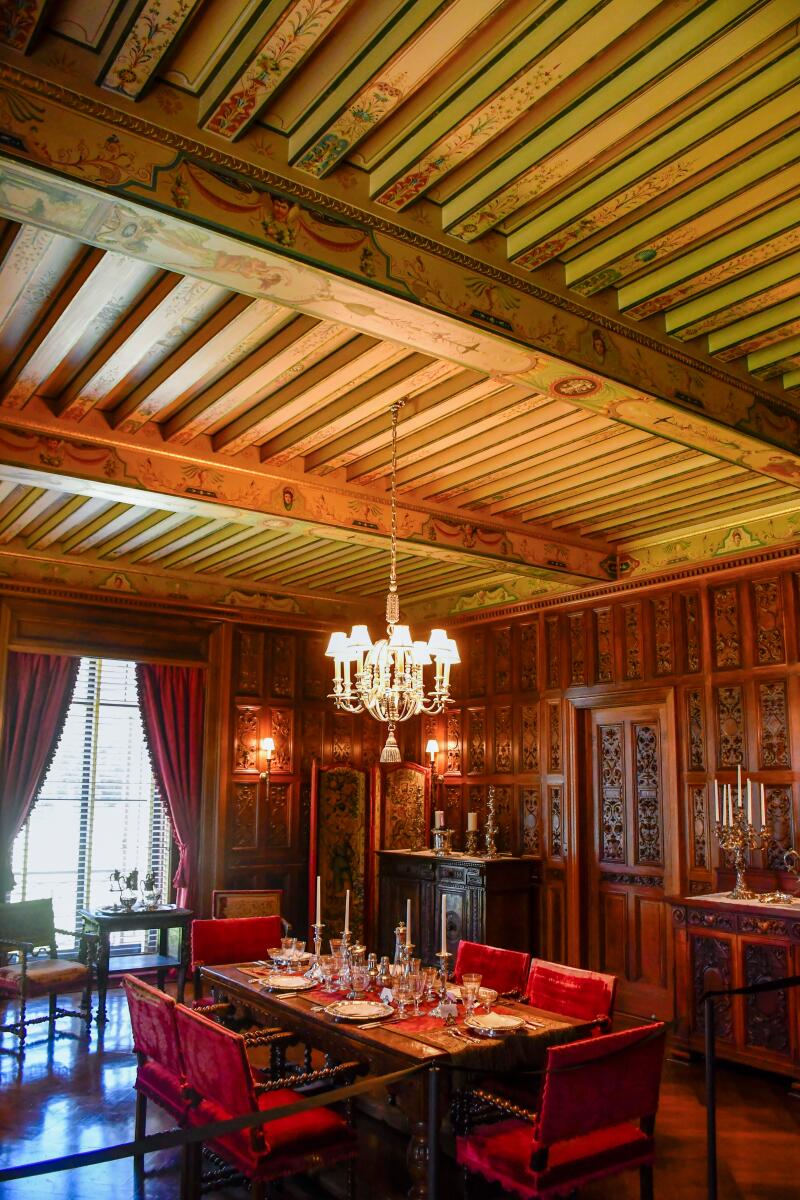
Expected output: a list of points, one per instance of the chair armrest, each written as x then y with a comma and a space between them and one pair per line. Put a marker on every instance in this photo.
269, 1037
14, 944
323, 1075
503, 1104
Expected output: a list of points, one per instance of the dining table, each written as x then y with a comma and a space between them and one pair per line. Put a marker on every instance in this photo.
393, 1045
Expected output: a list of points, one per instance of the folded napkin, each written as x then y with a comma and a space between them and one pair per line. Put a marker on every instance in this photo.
496, 1021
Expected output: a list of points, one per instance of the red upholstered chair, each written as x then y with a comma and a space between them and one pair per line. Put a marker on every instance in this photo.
503, 970
159, 1076
231, 940
596, 1119
587, 995
221, 1085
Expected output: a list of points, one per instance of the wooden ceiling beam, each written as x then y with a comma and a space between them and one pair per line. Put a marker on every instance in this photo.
145, 46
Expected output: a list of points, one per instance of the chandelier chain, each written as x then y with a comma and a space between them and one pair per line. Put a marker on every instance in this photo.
392, 599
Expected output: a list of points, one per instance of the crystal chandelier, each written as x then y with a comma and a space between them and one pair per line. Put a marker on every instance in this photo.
389, 680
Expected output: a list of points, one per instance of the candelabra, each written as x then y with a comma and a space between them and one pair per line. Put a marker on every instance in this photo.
347, 960
314, 971
490, 829
736, 836
442, 841
444, 957
471, 842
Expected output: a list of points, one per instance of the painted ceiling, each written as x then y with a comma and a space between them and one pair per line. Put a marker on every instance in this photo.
583, 222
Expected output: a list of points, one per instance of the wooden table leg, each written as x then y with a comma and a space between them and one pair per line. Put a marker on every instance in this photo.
163, 949
184, 961
102, 976
423, 1116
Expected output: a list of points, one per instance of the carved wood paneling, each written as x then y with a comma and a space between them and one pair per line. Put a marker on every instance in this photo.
663, 636
452, 807
779, 822
773, 725
577, 648
730, 726
711, 971
311, 744
476, 748
727, 638
279, 817
476, 802
604, 635
554, 738
768, 604
632, 641
244, 816
250, 663
555, 798
341, 738
699, 825
505, 817
282, 720
529, 737
691, 632
766, 1021
695, 722
528, 657
502, 659
282, 654
530, 799
317, 669
477, 663
647, 784
245, 740
373, 735
552, 652
611, 771
453, 759
503, 749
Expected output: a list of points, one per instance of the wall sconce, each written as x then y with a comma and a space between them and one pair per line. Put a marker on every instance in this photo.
432, 748
268, 746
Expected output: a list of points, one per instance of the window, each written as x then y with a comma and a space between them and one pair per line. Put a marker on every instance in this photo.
98, 808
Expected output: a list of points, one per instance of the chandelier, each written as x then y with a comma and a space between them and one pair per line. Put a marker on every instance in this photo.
389, 675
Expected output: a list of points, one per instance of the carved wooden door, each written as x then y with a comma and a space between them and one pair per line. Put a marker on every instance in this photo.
628, 932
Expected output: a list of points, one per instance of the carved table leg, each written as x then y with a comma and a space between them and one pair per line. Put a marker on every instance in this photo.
417, 1160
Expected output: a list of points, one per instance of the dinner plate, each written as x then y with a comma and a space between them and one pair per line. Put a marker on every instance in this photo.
485, 995
494, 1024
358, 1010
286, 983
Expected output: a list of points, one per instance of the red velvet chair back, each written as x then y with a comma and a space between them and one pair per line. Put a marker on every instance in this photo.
503, 970
600, 1083
155, 1033
586, 995
234, 939
215, 1062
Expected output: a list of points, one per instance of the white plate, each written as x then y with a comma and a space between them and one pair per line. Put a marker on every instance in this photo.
494, 1024
286, 983
358, 1010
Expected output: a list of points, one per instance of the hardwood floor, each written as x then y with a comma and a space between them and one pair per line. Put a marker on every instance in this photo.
72, 1096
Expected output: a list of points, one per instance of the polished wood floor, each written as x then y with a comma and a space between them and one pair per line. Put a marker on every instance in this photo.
75, 1096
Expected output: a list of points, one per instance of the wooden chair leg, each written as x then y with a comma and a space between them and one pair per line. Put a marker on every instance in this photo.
52, 1018
191, 1171
139, 1128
350, 1192
646, 1183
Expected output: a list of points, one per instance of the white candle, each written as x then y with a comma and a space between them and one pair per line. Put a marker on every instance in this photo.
750, 801
472, 822
408, 922
739, 786
439, 822
763, 807
347, 912
726, 802
716, 801
319, 903
444, 924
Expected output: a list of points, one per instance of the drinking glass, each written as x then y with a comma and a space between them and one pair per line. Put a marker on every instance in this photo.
299, 949
336, 945
431, 975
287, 952
470, 986
417, 984
327, 965
402, 995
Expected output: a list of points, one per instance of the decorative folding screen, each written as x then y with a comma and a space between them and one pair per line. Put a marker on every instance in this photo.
340, 829
401, 813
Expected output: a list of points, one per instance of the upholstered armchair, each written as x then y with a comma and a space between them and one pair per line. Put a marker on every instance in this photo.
28, 930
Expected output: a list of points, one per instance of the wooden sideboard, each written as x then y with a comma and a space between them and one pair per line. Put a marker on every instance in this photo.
490, 900
722, 943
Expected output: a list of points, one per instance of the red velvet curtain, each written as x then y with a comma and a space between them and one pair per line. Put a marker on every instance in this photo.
39, 689
171, 702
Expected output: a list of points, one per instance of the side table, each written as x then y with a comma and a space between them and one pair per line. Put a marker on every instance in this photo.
162, 919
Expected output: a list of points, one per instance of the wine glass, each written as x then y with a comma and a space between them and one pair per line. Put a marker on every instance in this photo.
417, 983
402, 995
470, 987
327, 965
431, 975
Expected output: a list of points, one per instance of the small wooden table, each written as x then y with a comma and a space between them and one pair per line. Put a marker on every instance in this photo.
388, 1048
162, 919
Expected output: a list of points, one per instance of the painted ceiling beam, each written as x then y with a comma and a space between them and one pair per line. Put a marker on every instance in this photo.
153, 33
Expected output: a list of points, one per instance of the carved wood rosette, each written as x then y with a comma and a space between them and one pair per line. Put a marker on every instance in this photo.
577, 648
529, 737
773, 725
453, 745
250, 663
342, 738
476, 747
502, 659
529, 657
552, 652
611, 770
503, 740
245, 739
604, 645
691, 632
730, 726
282, 655
727, 638
663, 635
695, 722
530, 799
768, 604
632, 641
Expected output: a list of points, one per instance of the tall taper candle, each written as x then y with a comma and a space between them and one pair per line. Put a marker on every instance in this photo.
444, 924
319, 904
750, 801
716, 801
739, 785
763, 807
408, 922
347, 912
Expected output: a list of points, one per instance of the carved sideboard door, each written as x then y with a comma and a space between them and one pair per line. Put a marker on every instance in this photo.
627, 849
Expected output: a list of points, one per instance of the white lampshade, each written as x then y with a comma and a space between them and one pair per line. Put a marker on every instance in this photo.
337, 646
268, 746
359, 638
450, 653
420, 655
437, 642
400, 638
431, 746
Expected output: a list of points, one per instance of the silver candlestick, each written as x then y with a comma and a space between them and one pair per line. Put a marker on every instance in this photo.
314, 972
444, 957
490, 829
